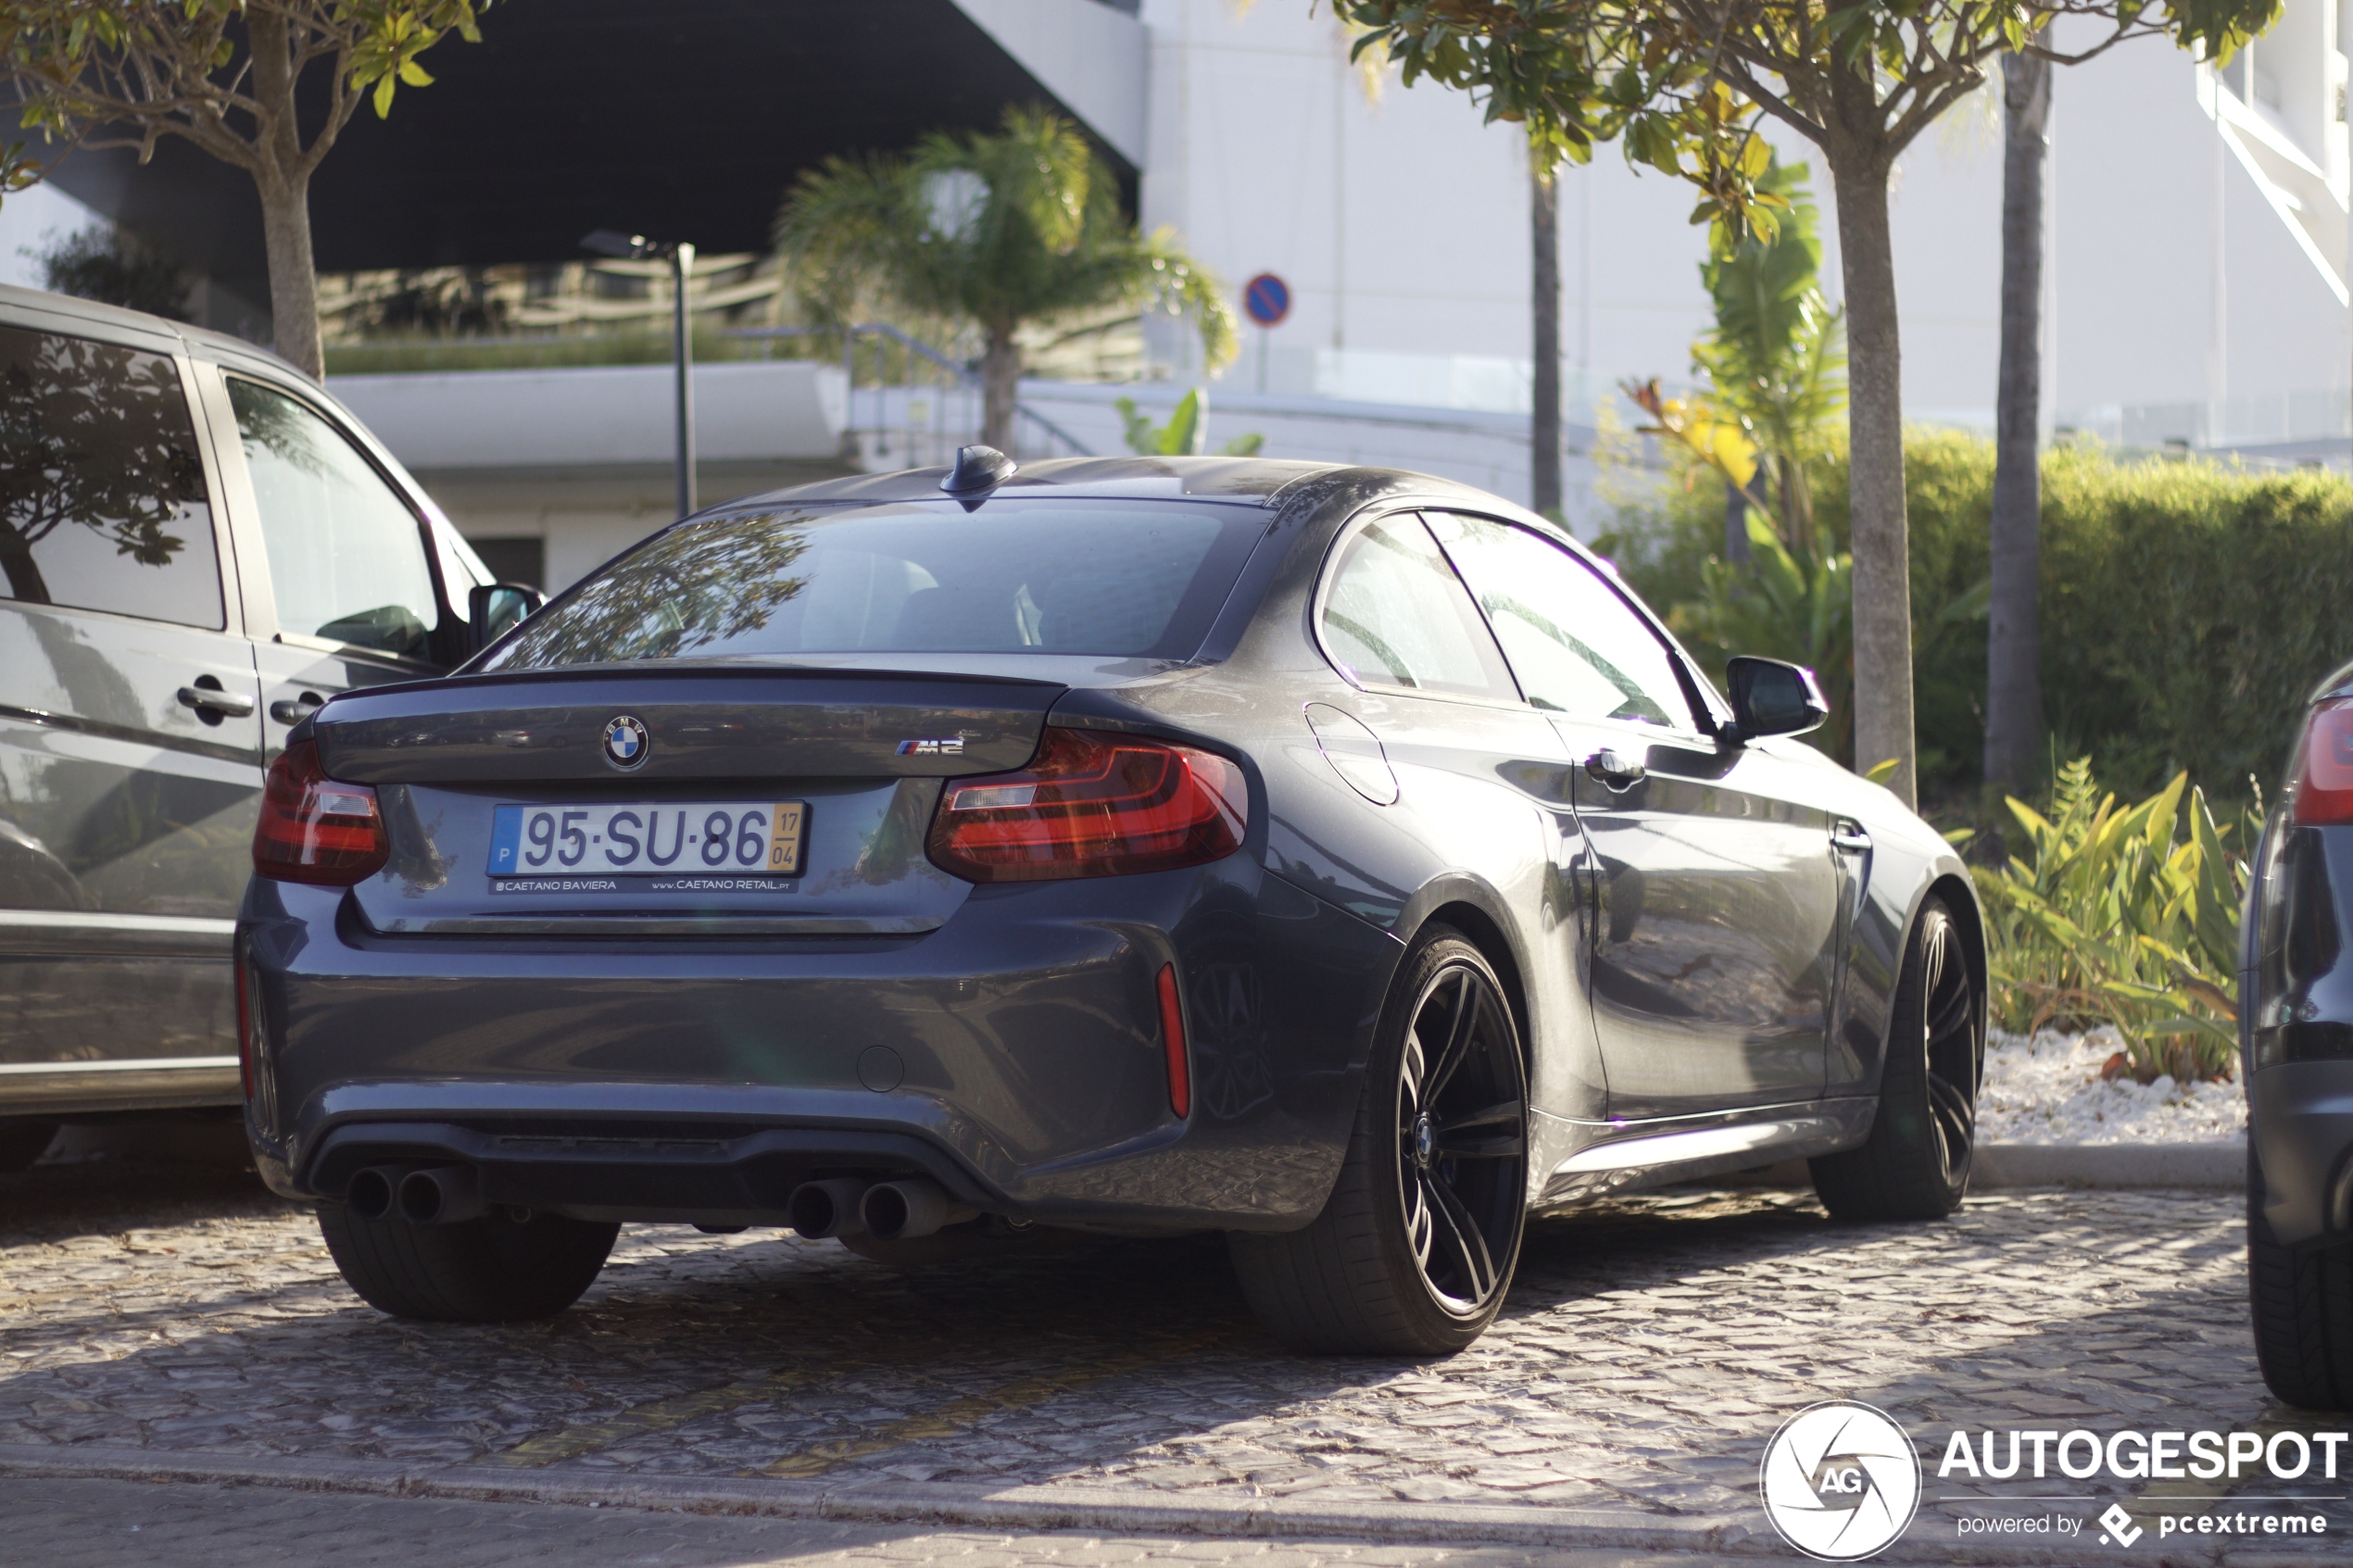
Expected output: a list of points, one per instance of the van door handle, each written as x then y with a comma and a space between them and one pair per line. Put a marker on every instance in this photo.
296, 711
211, 700
1845, 834
1609, 768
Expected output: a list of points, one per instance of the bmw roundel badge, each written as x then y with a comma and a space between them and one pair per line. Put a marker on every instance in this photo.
627, 744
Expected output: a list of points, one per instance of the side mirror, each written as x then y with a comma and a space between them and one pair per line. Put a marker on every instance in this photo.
493, 611
1770, 697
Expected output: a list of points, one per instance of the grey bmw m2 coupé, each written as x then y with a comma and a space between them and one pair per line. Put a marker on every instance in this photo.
1336, 858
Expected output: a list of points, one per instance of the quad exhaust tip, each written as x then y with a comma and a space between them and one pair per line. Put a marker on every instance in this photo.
911, 1207
444, 1195
818, 1209
370, 1193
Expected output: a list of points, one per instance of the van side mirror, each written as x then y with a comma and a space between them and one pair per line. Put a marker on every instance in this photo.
495, 611
1771, 697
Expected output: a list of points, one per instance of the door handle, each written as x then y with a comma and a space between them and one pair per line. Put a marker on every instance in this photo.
1845, 834
1619, 772
297, 709
213, 699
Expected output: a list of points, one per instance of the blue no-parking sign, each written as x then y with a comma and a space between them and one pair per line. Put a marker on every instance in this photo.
1267, 300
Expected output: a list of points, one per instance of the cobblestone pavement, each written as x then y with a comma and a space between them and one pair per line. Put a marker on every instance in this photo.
87, 1523
1650, 1348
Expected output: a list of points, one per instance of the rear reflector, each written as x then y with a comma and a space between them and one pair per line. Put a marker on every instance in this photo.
1091, 805
2323, 778
313, 829
1171, 1040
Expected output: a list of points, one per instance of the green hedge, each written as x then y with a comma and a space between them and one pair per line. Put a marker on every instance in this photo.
2188, 607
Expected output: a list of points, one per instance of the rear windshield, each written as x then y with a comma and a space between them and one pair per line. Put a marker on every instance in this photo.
1103, 578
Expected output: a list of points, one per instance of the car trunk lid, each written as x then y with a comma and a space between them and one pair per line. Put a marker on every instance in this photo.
855, 759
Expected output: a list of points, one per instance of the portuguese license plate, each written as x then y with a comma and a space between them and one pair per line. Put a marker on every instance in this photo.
706, 838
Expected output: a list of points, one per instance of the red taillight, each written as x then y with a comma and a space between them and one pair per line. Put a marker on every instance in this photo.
312, 828
1091, 805
1171, 1040
2322, 777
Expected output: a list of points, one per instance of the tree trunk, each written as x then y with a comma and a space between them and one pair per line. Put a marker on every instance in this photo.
999, 388
1544, 321
1875, 475
1735, 526
294, 279
280, 172
2013, 633
26, 585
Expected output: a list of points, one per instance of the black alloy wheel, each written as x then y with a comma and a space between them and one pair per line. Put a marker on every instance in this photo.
1462, 1138
1414, 1252
1916, 1165
1954, 1040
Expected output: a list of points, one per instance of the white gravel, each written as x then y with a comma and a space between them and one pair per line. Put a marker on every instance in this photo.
2047, 1090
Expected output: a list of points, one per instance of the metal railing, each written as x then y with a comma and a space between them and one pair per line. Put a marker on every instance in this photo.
918, 405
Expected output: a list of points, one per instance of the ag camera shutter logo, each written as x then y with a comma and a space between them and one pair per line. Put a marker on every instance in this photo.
1839, 1481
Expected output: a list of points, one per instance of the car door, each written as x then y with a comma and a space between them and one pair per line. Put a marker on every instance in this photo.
1436, 732
1714, 940
129, 731
340, 580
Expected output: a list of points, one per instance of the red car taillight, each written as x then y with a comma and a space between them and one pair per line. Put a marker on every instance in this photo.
2322, 777
1092, 804
314, 829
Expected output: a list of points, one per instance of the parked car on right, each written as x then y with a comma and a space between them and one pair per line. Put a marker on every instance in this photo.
2296, 1034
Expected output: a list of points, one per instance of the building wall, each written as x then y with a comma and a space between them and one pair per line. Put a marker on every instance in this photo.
1401, 224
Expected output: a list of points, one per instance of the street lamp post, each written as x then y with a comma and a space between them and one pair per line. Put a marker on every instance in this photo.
681, 257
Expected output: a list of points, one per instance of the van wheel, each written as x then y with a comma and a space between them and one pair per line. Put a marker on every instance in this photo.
2303, 1306
508, 1265
1414, 1250
1916, 1164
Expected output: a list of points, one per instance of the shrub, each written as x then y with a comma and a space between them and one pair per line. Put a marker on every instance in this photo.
2188, 607
2123, 915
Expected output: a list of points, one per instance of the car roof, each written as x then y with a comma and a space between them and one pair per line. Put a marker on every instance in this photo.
1267, 481
114, 316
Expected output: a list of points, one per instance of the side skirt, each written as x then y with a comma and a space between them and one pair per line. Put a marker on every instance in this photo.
1578, 1162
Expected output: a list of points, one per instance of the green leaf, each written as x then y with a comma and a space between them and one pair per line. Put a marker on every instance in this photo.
1880, 772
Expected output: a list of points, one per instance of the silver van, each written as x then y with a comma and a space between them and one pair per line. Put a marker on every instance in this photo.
199, 546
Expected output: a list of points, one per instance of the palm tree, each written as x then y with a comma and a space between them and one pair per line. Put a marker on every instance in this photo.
998, 231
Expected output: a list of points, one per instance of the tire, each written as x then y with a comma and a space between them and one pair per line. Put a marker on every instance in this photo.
1414, 1252
496, 1269
2302, 1303
23, 1140
1916, 1164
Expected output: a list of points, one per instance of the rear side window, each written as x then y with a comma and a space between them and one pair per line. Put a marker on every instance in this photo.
1396, 615
102, 493
1137, 580
347, 555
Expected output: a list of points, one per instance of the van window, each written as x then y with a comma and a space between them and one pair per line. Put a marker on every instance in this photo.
102, 492
347, 555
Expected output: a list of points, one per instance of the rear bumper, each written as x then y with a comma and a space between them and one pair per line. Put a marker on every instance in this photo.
1013, 1055
2301, 1121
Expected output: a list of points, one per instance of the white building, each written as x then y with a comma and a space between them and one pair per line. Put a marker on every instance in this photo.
2196, 233
2196, 270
